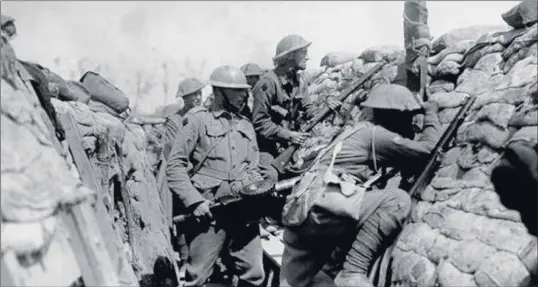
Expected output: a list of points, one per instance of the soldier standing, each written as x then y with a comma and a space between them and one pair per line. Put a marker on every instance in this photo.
221, 145
253, 73
281, 103
326, 208
190, 90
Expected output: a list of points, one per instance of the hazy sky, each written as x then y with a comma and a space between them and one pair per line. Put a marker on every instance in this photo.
131, 36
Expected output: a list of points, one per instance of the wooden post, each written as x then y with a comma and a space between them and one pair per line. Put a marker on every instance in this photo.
89, 179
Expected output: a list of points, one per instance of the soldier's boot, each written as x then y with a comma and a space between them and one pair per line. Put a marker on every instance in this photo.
377, 233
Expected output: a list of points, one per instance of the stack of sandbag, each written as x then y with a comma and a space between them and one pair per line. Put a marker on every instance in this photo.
459, 233
125, 155
327, 81
448, 51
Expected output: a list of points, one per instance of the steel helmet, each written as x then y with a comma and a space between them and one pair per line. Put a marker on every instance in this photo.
391, 96
228, 77
251, 69
189, 86
290, 44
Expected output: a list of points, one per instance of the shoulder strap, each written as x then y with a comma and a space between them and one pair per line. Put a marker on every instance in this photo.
204, 157
374, 158
340, 139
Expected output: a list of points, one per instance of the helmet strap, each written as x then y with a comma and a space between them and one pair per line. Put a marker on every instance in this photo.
228, 105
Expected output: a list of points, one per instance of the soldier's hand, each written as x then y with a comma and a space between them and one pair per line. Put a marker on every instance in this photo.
298, 137
430, 106
202, 210
333, 103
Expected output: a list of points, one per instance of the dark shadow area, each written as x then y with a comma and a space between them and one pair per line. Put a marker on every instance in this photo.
163, 275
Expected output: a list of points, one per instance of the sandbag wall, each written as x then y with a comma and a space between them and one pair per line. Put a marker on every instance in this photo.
125, 167
459, 233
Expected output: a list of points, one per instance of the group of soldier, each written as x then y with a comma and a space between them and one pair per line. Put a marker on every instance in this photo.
214, 151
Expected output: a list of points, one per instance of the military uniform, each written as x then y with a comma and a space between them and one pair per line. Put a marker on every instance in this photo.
279, 107
229, 140
318, 220
173, 124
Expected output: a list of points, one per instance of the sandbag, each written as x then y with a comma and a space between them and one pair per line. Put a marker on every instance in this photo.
447, 67
482, 132
497, 113
525, 117
441, 86
100, 107
103, 91
490, 64
56, 83
514, 58
337, 58
521, 15
378, 54
80, 93
525, 40
474, 54
468, 33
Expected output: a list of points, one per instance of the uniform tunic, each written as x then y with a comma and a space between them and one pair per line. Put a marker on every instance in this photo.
280, 105
313, 232
230, 143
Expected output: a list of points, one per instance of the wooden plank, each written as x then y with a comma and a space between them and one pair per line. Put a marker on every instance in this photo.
89, 179
6, 278
55, 266
84, 220
273, 247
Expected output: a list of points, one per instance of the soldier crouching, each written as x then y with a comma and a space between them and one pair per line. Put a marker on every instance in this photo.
327, 209
221, 145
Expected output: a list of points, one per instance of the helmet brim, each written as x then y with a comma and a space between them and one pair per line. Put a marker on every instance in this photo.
229, 85
306, 45
191, 91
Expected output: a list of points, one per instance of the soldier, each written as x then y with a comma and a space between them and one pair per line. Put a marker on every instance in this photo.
221, 145
326, 208
280, 102
253, 73
190, 90
516, 181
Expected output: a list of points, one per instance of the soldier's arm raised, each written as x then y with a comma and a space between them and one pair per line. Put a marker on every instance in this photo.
393, 147
183, 146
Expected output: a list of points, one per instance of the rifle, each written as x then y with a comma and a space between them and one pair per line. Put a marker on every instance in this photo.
280, 162
259, 194
442, 145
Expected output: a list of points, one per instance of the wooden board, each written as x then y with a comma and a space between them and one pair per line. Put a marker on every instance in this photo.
89, 178
273, 247
56, 266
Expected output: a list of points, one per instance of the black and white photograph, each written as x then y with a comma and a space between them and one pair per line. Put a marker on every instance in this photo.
269, 143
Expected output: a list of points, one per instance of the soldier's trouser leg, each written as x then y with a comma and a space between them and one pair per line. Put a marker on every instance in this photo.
376, 232
305, 253
247, 254
204, 249
309, 246
267, 170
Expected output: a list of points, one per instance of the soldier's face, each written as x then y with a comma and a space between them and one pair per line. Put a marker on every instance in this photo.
300, 58
252, 80
193, 99
237, 98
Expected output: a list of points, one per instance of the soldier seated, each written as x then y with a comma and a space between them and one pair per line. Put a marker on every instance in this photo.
327, 209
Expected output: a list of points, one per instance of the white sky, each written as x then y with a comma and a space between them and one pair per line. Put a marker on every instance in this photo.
139, 36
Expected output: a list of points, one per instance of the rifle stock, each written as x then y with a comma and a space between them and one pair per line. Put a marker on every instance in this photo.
280, 162
442, 145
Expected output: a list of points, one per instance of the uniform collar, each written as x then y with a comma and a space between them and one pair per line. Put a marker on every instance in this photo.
286, 78
220, 112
